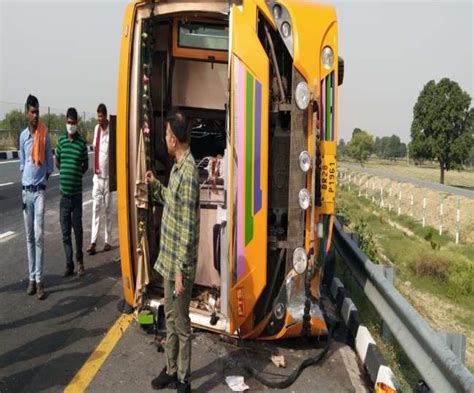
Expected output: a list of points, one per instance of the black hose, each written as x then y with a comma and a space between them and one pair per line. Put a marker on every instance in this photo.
288, 379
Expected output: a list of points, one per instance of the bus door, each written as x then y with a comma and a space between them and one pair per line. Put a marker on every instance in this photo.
248, 174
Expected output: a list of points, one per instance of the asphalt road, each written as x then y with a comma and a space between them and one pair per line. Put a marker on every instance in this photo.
44, 343
134, 362
407, 179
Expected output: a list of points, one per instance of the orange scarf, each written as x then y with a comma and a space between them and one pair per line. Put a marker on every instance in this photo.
38, 151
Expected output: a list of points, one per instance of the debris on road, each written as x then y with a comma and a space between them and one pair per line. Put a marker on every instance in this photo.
236, 383
279, 361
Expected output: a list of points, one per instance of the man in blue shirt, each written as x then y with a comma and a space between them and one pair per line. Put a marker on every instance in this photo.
36, 164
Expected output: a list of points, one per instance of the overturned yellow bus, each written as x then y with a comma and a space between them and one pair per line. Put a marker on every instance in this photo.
259, 80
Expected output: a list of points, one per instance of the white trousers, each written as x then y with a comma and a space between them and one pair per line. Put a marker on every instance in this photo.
100, 196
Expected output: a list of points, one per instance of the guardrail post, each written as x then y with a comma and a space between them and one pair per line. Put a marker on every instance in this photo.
389, 274
456, 342
355, 238
400, 201
458, 220
424, 212
441, 213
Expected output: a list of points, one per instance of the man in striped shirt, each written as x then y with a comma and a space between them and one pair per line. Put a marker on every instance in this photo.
72, 162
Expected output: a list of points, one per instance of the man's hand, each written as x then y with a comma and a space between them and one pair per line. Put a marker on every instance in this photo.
150, 177
178, 285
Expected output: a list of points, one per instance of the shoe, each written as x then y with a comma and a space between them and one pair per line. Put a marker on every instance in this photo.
80, 269
107, 247
164, 380
68, 273
184, 387
91, 250
40, 292
31, 288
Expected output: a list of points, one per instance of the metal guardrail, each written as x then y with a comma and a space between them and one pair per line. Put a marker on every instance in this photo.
441, 370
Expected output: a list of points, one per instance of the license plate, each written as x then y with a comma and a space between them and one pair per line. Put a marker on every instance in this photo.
328, 179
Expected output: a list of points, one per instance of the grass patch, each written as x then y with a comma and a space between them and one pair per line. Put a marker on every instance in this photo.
431, 264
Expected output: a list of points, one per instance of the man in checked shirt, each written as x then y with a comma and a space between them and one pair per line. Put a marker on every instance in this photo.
178, 251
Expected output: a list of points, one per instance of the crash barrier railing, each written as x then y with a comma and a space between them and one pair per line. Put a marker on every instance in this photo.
440, 368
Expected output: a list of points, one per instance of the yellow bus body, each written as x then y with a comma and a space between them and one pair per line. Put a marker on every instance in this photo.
249, 160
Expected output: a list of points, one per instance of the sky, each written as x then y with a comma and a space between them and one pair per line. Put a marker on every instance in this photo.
66, 53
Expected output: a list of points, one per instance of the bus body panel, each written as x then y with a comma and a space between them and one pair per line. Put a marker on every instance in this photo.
314, 26
249, 136
126, 248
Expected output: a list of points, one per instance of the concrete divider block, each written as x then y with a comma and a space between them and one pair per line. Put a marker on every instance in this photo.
336, 284
385, 376
362, 342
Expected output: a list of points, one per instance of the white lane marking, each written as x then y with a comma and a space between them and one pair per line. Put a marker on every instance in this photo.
14, 161
6, 234
9, 162
87, 202
55, 174
6, 184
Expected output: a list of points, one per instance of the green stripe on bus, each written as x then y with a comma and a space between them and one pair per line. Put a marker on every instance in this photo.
248, 159
328, 107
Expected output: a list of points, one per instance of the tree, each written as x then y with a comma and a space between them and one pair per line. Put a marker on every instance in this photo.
389, 147
14, 122
442, 125
342, 144
393, 147
402, 150
360, 146
470, 159
341, 147
378, 147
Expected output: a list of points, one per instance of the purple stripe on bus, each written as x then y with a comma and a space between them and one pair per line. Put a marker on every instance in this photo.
257, 190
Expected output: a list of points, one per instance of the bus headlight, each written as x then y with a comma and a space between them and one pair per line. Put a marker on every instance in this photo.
279, 310
277, 11
304, 161
300, 260
302, 95
304, 198
327, 57
285, 29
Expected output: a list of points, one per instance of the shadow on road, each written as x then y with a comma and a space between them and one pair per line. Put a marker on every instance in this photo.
55, 283
46, 344
66, 306
63, 368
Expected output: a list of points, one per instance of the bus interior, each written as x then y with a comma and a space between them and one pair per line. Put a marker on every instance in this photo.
186, 56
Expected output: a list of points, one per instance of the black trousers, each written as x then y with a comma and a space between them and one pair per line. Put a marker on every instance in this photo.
70, 215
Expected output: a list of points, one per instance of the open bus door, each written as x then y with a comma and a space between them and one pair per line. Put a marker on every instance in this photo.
248, 173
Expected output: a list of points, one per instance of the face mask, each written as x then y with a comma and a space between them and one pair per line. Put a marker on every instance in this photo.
71, 129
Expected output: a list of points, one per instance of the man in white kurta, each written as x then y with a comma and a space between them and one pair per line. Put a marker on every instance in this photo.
100, 189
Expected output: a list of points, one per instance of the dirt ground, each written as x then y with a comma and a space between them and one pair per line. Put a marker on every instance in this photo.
463, 179
439, 314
